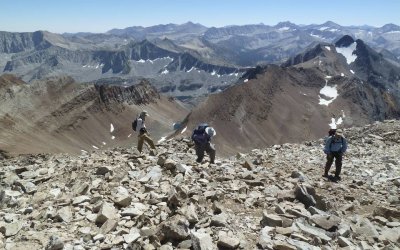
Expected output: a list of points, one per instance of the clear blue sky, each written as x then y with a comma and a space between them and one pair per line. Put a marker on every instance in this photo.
101, 15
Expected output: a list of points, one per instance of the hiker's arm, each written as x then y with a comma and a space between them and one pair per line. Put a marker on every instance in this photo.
327, 144
344, 149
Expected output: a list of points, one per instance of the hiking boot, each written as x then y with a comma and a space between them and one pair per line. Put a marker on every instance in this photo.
338, 178
325, 175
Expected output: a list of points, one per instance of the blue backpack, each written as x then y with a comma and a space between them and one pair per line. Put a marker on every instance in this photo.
199, 134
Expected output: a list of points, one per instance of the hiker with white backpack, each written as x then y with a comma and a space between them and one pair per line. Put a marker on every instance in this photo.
139, 125
202, 141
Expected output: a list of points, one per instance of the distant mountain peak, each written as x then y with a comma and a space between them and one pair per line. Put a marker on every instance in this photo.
390, 27
285, 24
331, 24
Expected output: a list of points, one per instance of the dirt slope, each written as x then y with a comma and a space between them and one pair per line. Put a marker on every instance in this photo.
59, 115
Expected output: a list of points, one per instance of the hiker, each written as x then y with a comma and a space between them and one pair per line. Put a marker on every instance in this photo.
143, 136
202, 141
335, 147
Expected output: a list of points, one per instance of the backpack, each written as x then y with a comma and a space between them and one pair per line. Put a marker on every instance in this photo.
331, 132
134, 124
341, 141
199, 134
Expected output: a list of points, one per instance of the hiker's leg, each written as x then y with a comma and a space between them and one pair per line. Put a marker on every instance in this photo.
199, 152
140, 142
211, 152
329, 161
149, 141
338, 164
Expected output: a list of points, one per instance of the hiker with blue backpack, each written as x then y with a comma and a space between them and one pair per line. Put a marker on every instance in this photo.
335, 147
202, 141
139, 125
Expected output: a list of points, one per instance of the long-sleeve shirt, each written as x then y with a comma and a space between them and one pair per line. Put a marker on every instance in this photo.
335, 145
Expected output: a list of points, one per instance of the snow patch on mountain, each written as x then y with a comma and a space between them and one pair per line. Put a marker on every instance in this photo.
335, 122
330, 92
284, 29
347, 52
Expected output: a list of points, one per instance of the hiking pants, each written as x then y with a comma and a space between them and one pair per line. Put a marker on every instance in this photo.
200, 148
144, 137
338, 162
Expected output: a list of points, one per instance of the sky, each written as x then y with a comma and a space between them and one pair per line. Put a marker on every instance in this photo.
99, 16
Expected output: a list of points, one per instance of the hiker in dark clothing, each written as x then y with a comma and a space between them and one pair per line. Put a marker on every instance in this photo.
335, 147
202, 142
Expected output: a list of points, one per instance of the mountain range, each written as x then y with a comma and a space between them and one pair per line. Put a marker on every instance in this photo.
186, 61
346, 82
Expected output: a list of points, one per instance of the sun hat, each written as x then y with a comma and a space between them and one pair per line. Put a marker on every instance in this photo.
144, 113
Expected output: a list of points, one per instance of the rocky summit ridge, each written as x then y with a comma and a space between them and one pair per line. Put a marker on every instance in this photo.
272, 198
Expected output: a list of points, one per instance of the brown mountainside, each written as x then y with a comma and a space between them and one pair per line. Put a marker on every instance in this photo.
58, 115
280, 105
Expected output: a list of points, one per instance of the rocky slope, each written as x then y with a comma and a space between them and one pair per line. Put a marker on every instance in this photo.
272, 198
278, 105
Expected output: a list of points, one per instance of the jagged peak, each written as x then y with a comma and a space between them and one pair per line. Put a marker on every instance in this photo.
344, 41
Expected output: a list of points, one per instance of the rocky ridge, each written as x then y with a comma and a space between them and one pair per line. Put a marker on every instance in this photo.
273, 198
